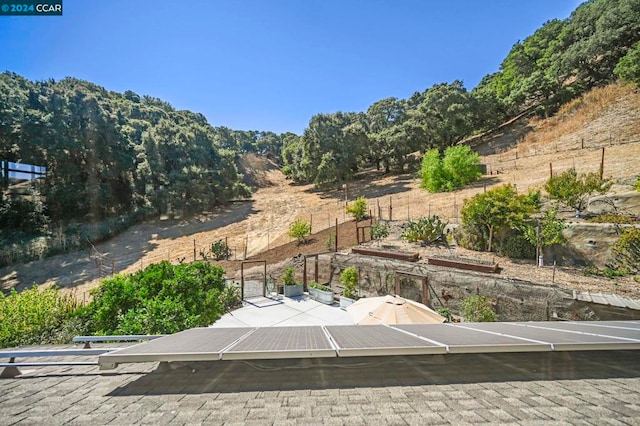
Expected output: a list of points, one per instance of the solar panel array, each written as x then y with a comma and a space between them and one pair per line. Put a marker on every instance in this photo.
212, 344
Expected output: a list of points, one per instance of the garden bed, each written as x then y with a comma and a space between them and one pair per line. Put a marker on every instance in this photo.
465, 263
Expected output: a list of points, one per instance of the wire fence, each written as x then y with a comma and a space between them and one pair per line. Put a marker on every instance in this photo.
399, 206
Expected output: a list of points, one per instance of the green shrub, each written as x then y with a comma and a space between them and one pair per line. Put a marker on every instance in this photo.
458, 168
37, 316
358, 209
288, 277
349, 280
220, 250
574, 190
379, 231
515, 246
163, 298
478, 309
493, 213
445, 312
300, 230
594, 271
320, 287
626, 251
425, 229
637, 187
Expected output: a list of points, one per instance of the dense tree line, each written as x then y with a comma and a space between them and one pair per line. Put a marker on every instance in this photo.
560, 61
109, 154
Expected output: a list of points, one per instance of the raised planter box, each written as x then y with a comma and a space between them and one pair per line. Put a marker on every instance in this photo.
468, 264
321, 296
389, 254
293, 290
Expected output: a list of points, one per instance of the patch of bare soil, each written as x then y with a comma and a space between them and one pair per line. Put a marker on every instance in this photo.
259, 226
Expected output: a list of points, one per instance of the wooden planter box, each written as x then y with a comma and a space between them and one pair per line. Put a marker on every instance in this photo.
389, 254
321, 296
293, 290
464, 264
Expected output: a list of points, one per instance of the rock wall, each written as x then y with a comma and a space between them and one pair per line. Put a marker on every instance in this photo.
514, 300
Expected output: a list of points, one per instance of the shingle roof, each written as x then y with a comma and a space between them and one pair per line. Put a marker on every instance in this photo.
526, 388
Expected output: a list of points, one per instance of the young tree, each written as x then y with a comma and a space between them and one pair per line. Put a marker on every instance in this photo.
574, 190
498, 209
300, 230
546, 232
358, 208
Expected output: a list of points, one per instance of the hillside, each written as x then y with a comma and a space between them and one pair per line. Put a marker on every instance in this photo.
608, 117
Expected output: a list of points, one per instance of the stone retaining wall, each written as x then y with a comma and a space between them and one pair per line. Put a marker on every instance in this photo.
514, 300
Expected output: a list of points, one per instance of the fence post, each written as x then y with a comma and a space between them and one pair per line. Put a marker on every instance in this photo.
602, 164
311, 223
390, 207
336, 234
550, 170
194, 249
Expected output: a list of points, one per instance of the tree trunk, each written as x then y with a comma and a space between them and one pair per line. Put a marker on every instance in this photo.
490, 237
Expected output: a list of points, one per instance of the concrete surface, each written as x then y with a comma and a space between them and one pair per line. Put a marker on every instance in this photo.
291, 312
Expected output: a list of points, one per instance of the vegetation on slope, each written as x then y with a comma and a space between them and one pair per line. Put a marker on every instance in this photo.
559, 62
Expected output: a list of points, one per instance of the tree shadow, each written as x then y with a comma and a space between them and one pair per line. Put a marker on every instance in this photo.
378, 372
69, 270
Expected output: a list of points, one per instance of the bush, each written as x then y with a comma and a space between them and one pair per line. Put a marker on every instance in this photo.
574, 190
425, 229
637, 187
300, 230
478, 309
163, 298
379, 231
358, 209
458, 168
626, 251
320, 286
516, 246
288, 277
220, 250
349, 280
37, 316
495, 212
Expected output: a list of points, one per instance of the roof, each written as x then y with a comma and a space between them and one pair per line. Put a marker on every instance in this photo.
607, 299
524, 388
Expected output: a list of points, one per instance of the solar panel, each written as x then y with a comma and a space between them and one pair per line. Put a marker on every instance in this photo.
374, 340
562, 340
196, 344
634, 325
601, 330
463, 340
282, 342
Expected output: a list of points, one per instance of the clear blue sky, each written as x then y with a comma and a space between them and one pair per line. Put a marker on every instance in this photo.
272, 64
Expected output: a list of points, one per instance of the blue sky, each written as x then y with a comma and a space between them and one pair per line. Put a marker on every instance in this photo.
272, 64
